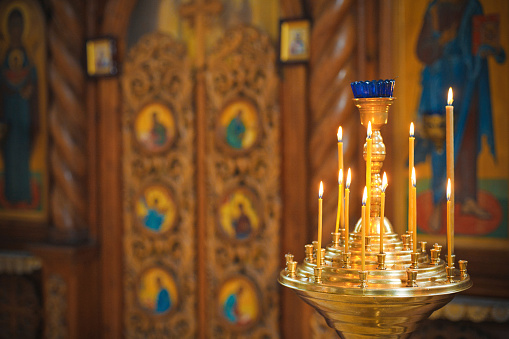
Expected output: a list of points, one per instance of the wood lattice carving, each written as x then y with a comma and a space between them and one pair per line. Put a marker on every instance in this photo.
332, 68
67, 121
157, 75
241, 76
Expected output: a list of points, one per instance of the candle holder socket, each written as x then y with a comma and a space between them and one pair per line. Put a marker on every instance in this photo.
367, 243
288, 257
435, 259
450, 273
438, 247
463, 268
423, 246
381, 261
411, 278
291, 267
336, 237
318, 275
415, 260
453, 259
346, 260
406, 242
309, 252
363, 279
322, 256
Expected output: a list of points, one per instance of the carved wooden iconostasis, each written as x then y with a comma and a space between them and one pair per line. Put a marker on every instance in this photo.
201, 172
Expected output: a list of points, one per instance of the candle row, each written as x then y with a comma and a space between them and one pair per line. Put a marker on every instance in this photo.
342, 218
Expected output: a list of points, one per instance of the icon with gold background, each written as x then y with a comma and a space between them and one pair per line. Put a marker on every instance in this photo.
155, 208
238, 126
157, 292
239, 216
238, 300
155, 128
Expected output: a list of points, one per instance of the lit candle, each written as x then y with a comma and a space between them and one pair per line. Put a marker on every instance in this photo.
414, 209
340, 166
319, 249
382, 213
363, 242
449, 235
369, 147
449, 146
411, 152
340, 199
347, 208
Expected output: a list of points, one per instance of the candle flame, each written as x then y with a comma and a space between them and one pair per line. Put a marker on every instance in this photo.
340, 134
448, 189
413, 177
369, 129
348, 178
340, 176
364, 196
411, 130
449, 96
320, 191
384, 182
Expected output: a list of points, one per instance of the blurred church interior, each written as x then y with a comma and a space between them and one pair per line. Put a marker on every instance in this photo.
159, 158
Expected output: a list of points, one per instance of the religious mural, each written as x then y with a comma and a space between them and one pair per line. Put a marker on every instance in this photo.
460, 44
157, 291
239, 215
155, 208
238, 302
23, 143
154, 128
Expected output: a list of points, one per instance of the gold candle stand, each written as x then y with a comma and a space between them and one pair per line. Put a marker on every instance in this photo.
397, 290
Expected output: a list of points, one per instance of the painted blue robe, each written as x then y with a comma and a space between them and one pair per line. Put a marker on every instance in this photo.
467, 74
16, 109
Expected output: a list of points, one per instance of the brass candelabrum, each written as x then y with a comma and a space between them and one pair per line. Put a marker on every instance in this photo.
398, 289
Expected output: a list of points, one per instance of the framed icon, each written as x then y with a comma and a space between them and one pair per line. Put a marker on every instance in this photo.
239, 216
239, 302
156, 210
157, 292
155, 128
101, 57
294, 40
238, 127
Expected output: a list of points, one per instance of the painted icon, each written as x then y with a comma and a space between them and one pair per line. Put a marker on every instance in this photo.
155, 128
156, 210
23, 131
157, 291
238, 214
238, 302
238, 127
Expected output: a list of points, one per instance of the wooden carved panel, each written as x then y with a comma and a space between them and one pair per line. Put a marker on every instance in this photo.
159, 199
243, 187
